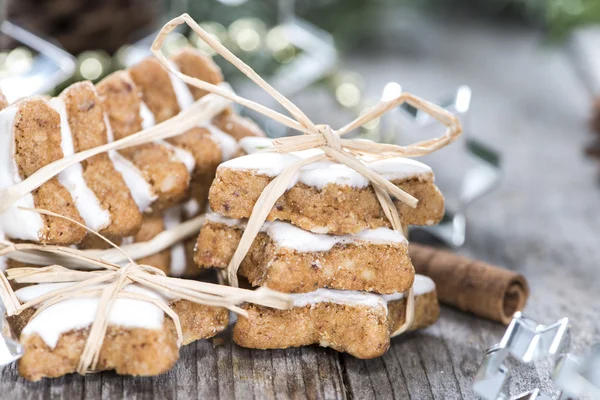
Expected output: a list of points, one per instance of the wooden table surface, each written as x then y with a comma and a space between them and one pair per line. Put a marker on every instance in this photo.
543, 221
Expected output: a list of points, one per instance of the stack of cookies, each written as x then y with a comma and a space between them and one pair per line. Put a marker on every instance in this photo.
327, 242
130, 195
127, 195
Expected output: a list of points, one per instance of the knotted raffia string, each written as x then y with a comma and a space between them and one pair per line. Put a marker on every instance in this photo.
108, 284
344, 151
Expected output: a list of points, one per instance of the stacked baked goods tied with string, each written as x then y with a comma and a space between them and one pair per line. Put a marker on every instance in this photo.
322, 218
327, 243
127, 195
126, 162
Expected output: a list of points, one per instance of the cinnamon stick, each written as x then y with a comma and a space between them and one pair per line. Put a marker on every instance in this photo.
472, 286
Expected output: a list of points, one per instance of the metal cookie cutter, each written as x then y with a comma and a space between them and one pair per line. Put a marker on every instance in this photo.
10, 349
50, 65
578, 378
475, 165
525, 341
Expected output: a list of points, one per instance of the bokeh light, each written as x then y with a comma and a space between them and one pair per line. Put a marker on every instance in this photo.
348, 94
93, 65
247, 33
174, 42
218, 31
277, 39
91, 68
248, 39
18, 61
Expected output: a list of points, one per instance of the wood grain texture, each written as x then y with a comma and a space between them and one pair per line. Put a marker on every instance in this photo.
543, 221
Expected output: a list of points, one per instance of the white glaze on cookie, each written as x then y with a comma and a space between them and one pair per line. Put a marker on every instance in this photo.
171, 219
289, 236
15, 223
421, 286
322, 173
79, 312
185, 99
191, 208
146, 115
141, 191
229, 146
86, 202
182, 91
179, 154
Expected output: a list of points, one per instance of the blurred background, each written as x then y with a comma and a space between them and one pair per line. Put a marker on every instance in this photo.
508, 68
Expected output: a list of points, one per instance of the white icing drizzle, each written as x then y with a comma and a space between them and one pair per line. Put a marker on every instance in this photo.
185, 99
171, 218
229, 146
381, 236
15, 223
127, 240
79, 312
219, 219
148, 120
289, 236
347, 297
191, 208
88, 205
180, 154
322, 173
182, 91
141, 191
421, 286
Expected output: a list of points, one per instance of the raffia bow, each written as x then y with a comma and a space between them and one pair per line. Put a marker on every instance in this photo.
108, 283
344, 151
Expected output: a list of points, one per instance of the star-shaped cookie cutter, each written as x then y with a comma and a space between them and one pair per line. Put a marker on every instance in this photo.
526, 341
479, 164
577, 377
10, 349
50, 66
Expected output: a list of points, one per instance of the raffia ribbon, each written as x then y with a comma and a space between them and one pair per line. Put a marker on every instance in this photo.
114, 279
165, 239
344, 151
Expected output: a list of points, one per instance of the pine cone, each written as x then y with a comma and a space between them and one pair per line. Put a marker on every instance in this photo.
80, 25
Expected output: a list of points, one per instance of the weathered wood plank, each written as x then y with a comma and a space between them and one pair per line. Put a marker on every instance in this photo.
68, 387
112, 386
278, 374
330, 376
